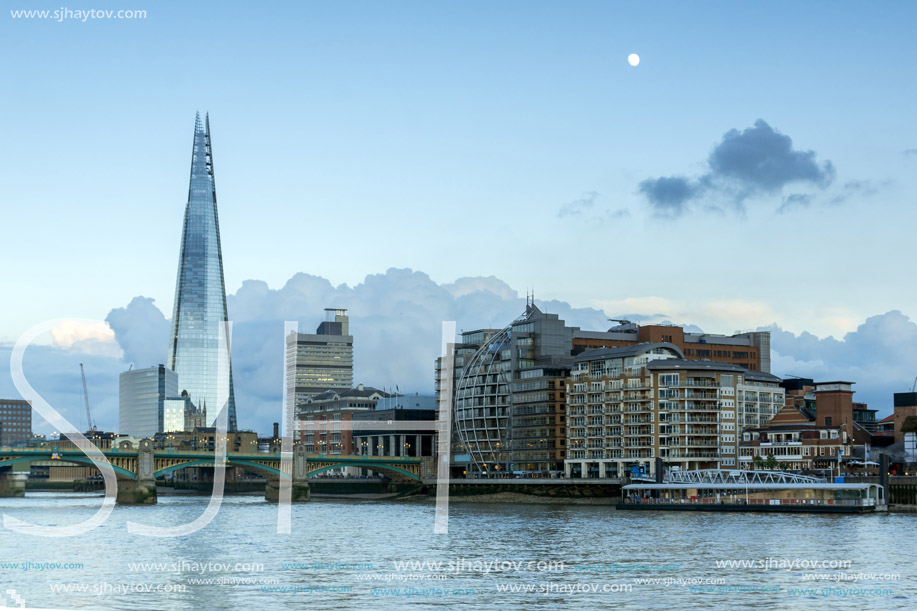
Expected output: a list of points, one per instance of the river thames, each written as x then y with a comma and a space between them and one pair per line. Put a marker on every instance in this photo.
349, 554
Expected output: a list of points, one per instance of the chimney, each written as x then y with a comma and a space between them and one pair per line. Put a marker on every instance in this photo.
276, 430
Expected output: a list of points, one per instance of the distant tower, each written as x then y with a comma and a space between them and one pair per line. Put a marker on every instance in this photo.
195, 349
321, 360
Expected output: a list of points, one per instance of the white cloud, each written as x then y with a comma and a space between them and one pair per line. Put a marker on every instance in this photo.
70, 332
396, 320
880, 356
721, 316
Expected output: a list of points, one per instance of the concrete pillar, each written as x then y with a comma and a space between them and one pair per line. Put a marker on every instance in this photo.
300, 492
134, 492
141, 491
12, 484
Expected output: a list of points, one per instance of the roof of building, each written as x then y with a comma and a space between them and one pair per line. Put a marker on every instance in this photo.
762, 376
792, 426
694, 365
889, 418
612, 334
334, 394
618, 352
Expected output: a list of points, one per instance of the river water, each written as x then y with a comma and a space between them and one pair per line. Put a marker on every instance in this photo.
350, 554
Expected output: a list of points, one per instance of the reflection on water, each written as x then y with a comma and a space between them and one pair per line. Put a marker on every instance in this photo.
351, 554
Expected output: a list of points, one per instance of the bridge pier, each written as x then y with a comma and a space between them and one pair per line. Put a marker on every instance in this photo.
12, 484
140, 491
300, 486
136, 492
300, 492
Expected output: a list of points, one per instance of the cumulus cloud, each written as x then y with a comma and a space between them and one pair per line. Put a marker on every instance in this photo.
755, 161
54, 373
760, 159
880, 356
86, 337
142, 332
490, 284
396, 320
669, 195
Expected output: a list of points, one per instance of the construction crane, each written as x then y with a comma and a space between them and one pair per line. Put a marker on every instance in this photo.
86, 398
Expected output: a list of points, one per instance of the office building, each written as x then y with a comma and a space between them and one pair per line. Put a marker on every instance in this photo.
377, 432
142, 395
509, 398
320, 361
750, 350
15, 422
324, 414
198, 349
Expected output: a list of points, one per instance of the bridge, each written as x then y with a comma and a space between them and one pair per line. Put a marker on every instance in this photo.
138, 469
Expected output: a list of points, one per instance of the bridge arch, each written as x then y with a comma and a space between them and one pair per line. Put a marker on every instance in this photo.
245, 464
372, 466
68, 461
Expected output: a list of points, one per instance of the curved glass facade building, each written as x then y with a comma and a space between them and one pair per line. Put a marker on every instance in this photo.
196, 351
483, 402
508, 405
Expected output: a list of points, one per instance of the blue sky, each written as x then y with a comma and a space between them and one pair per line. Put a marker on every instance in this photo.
351, 138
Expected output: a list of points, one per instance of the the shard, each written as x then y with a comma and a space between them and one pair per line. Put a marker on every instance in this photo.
197, 352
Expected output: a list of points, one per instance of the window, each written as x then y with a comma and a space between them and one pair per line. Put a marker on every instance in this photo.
827, 420
668, 379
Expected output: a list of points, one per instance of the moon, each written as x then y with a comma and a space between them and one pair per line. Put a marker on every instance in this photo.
633, 59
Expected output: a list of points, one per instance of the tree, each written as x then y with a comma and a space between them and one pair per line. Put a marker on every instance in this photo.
771, 462
759, 462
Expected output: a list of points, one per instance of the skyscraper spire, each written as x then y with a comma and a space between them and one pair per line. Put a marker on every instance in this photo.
195, 347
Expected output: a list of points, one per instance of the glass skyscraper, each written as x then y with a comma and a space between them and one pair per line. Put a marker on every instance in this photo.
196, 352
